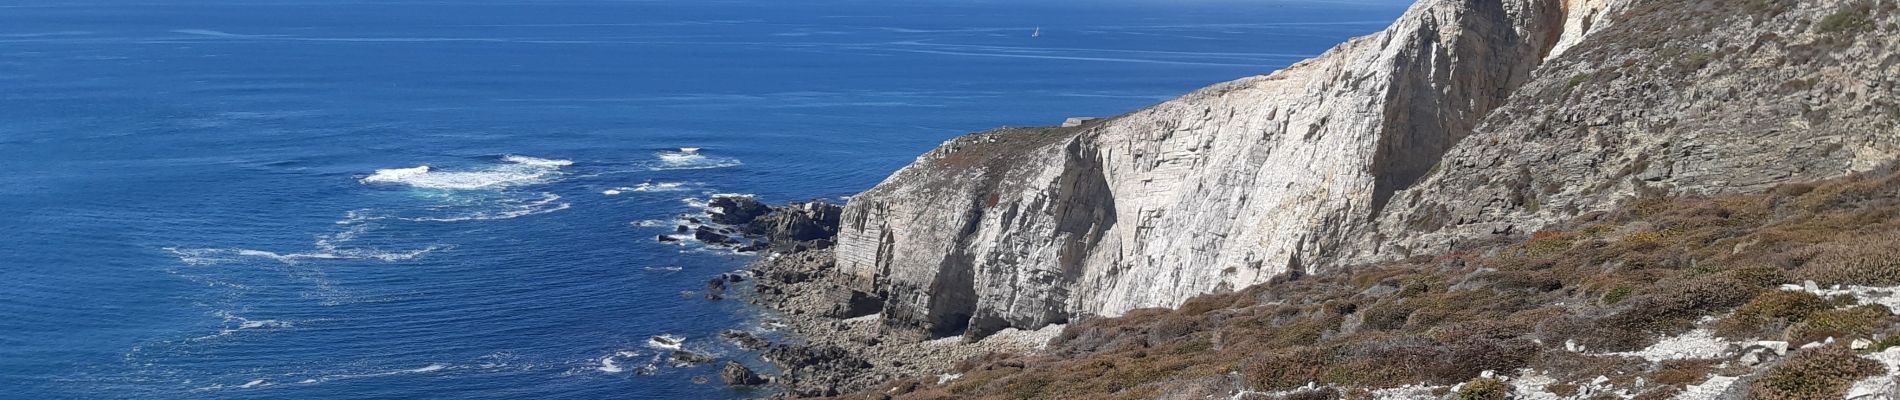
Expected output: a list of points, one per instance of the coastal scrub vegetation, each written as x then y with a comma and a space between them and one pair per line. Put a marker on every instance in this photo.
1563, 301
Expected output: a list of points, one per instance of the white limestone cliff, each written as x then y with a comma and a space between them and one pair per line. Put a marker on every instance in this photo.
1236, 183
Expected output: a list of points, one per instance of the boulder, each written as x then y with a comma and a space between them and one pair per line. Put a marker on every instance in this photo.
737, 374
736, 210
796, 224
711, 236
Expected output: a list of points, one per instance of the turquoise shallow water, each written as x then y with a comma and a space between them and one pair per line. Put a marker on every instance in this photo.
225, 199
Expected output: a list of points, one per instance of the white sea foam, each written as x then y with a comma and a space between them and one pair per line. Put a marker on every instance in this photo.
667, 269
208, 32
539, 162
651, 187
213, 256
433, 367
654, 223
397, 175
607, 365
663, 187
268, 323
234, 323
514, 171
696, 159
254, 383
510, 208
666, 342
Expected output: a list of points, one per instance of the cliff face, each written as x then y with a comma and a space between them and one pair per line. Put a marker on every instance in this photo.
1463, 119
1694, 98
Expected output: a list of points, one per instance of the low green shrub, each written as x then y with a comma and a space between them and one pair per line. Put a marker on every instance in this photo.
1853, 19
1485, 389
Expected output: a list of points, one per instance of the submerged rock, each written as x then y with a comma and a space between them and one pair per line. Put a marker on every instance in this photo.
716, 288
686, 357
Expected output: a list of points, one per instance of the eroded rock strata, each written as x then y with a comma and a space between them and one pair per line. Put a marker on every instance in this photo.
1463, 120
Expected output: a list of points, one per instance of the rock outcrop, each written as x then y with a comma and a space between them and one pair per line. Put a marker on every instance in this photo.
737, 374
1464, 119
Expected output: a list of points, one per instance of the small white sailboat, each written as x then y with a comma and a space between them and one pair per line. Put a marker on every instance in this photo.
1037, 33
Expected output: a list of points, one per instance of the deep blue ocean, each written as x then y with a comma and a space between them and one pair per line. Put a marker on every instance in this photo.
459, 199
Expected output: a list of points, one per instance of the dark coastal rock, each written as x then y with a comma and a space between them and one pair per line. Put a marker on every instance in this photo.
799, 224
685, 357
745, 340
716, 288
736, 210
817, 370
755, 246
711, 236
737, 374
806, 356
666, 239
682, 229
860, 304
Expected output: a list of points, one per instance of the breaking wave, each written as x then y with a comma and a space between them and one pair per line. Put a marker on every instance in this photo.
666, 342
514, 171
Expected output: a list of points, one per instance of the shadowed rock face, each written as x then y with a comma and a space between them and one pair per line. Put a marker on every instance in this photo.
1453, 123
1693, 97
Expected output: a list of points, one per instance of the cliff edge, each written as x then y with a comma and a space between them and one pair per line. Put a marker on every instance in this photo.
1464, 120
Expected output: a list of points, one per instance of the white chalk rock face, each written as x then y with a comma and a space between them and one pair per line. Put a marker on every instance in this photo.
1463, 120
1221, 188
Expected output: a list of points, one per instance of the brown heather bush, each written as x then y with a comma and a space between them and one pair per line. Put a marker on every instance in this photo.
1818, 373
1683, 372
1851, 323
1771, 312
1868, 261
1611, 281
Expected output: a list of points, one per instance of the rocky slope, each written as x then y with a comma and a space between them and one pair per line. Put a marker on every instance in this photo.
1463, 120
1785, 293
1697, 97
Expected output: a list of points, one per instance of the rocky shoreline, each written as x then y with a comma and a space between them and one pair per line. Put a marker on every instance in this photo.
846, 346
837, 343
